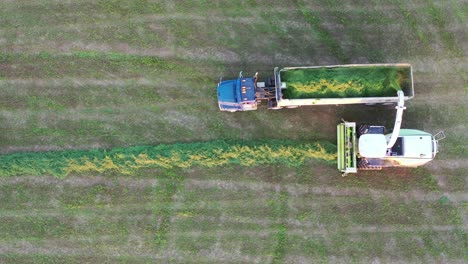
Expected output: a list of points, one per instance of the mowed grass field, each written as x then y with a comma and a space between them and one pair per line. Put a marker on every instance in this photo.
80, 75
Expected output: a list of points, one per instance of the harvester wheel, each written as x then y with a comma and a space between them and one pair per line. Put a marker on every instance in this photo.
269, 82
273, 105
363, 129
363, 164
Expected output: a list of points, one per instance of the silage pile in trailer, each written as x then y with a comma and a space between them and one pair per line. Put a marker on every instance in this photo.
128, 160
341, 82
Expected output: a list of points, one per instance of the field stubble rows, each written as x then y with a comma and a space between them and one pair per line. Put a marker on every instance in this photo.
144, 72
227, 211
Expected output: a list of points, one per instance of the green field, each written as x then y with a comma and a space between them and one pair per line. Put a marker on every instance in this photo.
108, 79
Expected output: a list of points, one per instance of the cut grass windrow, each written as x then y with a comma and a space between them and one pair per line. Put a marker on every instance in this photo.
129, 160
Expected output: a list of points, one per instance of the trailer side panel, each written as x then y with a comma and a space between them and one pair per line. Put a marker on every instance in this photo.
343, 84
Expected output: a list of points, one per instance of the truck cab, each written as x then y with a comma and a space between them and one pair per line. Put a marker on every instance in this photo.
237, 95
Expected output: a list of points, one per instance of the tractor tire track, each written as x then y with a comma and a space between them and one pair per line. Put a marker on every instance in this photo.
301, 190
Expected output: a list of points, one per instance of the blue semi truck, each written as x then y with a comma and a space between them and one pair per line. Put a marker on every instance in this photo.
246, 93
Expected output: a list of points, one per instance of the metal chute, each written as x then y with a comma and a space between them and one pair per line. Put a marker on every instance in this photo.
399, 117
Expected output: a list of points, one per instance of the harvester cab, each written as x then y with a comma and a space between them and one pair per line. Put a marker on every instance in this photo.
368, 148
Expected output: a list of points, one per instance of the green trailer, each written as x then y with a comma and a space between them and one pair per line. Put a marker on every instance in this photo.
343, 84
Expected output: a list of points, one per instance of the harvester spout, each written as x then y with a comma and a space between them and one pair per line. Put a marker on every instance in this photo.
399, 117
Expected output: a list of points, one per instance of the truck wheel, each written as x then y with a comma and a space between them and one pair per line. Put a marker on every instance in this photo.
269, 82
273, 105
275, 108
